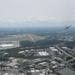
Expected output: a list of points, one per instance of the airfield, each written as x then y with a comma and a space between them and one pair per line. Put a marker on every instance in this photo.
23, 37
13, 41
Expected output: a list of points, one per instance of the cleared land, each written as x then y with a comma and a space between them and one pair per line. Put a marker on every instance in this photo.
24, 37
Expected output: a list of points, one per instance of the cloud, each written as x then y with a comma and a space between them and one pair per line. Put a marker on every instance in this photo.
8, 21
42, 19
29, 19
49, 19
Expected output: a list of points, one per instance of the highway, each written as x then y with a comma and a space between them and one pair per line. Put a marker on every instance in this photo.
56, 46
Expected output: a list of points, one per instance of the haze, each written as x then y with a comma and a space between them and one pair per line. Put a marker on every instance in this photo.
15, 13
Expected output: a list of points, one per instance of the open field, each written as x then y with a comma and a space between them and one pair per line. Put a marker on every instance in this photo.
24, 37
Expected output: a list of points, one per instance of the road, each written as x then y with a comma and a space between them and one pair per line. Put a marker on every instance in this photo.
56, 46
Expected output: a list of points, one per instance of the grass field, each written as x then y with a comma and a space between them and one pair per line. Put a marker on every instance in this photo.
27, 37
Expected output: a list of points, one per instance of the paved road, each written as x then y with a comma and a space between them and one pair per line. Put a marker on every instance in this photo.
56, 46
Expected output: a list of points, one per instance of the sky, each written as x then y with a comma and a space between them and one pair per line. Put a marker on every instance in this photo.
36, 12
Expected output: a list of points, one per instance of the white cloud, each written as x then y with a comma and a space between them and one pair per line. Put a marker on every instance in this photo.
9, 21
49, 19
41, 19
29, 19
